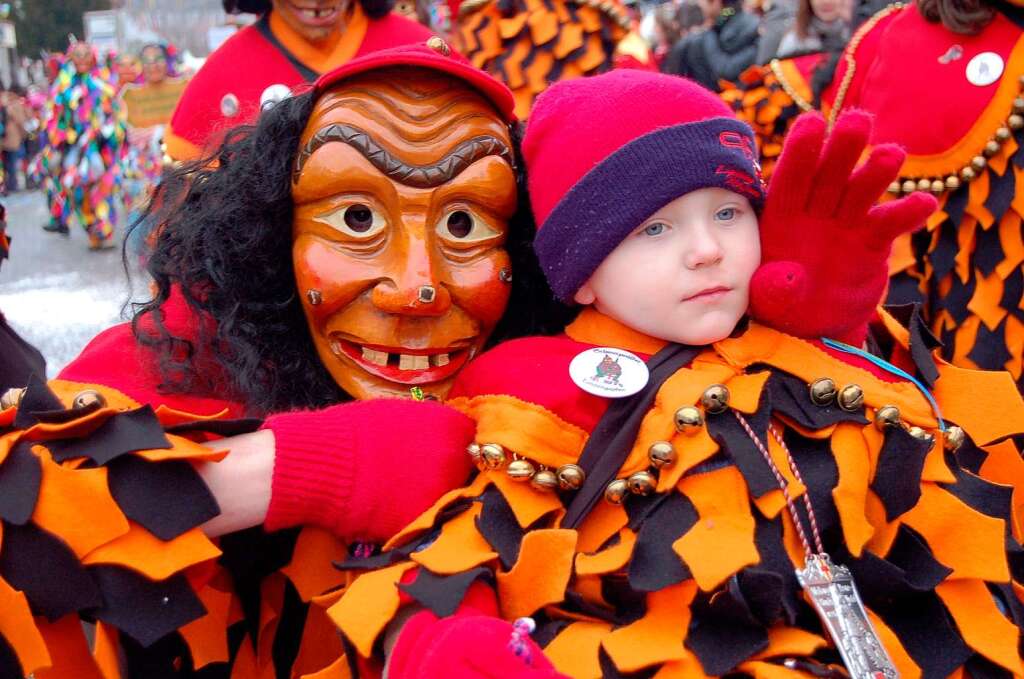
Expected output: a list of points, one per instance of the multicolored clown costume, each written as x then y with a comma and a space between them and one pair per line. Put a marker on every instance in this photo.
955, 101
81, 163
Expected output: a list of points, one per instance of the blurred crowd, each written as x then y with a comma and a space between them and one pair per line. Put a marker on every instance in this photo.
715, 40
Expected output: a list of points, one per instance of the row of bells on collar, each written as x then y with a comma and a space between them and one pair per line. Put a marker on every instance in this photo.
688, 420
89, 399
939, 185
824, 393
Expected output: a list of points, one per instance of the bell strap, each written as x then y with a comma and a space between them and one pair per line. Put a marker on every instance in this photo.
615, 434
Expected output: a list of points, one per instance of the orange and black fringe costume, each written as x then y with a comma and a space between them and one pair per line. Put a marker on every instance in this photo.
964, 139
100, 515
697, 578
529, 44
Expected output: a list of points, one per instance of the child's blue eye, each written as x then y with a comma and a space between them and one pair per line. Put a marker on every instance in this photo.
726, 214
654, 229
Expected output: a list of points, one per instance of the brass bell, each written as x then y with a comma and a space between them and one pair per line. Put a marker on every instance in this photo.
991, 148
689, 419
493, 455
544, 480
968, 173
938, 186
851, 397
895, 188
438, 45
570, 476
887, 417
954, 438
715, 399
924, 184
978, 163
520, 470
1003, 134
909, 186
661, 453
11, 397
642, 483
474, 453
1015, 121
1018, 105
823, 391
616, 491
90, 398
952, 182
921, 435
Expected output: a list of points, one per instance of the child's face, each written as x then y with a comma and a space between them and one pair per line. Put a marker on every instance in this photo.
684, 274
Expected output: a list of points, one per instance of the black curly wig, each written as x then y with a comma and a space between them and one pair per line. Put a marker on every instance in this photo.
224, 240
374, 9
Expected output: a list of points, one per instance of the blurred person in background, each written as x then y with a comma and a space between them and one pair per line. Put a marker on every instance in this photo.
293, 42
19, 360
82, 159
820, 26
16, 119
777, 17
722, 51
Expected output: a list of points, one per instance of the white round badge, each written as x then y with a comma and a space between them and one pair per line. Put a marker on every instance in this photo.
274, 94
984, 69
608, 372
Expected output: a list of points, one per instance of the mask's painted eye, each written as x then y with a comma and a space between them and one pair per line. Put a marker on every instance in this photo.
357, 220
726, 214
463, 226
655, 229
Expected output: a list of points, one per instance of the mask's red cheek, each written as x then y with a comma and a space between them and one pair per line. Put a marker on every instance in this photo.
480, 288
336, 278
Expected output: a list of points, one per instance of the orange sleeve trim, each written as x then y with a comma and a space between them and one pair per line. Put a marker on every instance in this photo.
982, 625
525, 428
76, 506
655, 637
142, 551
311, 569
721, 543
207, 637
540, 575
20, 631
458, 548
368, 606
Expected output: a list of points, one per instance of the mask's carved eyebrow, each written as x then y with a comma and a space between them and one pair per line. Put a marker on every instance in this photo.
419, 176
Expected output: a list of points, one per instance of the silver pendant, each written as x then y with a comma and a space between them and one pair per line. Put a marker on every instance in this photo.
835, 598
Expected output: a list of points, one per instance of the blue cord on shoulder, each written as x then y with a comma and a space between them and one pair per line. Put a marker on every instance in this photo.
890, 368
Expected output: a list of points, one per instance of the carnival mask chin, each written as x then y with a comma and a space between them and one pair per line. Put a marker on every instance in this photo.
403, 190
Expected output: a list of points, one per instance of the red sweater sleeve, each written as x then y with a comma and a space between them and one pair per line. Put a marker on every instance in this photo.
115, 359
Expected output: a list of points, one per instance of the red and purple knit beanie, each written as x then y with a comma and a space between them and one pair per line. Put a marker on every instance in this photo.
605, 153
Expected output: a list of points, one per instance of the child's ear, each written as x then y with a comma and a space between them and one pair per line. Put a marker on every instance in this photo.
585, 295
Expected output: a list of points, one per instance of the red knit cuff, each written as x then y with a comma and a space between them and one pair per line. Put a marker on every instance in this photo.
310, 484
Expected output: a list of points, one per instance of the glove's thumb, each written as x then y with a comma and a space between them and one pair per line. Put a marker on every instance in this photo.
776, 290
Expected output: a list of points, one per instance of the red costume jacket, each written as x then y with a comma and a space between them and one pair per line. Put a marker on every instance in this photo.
226, 91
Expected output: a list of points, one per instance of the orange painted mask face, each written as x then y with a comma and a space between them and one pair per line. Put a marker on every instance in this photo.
403, 190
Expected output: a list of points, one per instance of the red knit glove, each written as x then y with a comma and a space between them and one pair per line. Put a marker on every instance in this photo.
466, 646
824, 242
366, 469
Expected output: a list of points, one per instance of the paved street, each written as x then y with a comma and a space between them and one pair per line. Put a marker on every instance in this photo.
53, 290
